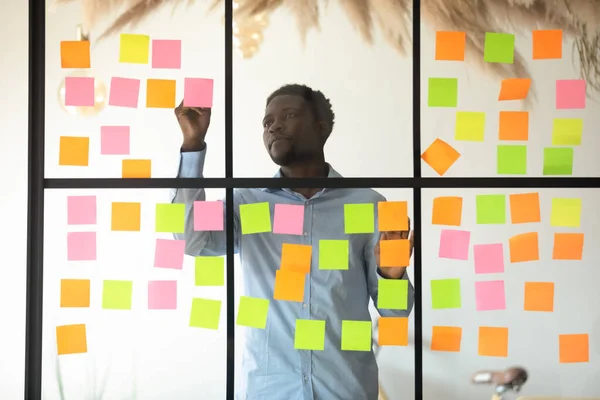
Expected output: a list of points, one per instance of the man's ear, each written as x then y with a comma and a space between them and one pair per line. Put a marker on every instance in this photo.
324, 130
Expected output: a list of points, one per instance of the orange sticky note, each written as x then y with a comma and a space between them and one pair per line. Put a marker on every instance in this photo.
513, 125
524, 208
493, 341
446, 338
74, 151
440, 156
289, 285
296, 257
74, 292
524, 247
393, 331
392, 216
539, 296
160, 93
136, 168
447, 211
568, 246
126, 217
71, 339
394, 253
450, 46
574, 348
547, 44
514, 89
75, 54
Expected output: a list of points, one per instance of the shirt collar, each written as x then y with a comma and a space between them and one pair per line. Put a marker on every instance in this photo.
332, 174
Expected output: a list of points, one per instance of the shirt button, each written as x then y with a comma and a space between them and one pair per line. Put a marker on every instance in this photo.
305, 378
305, 233
304, 305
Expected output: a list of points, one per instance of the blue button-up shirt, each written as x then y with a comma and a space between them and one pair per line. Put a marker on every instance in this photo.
271, 368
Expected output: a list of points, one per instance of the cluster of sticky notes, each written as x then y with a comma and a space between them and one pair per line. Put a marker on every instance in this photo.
310, 335
290, 278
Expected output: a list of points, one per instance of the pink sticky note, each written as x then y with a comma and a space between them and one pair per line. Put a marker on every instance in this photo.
289, 219
166, 54
81, 210
489, 258
490, 295
162, 295
169, 253
124, 92
208, 215
198, 92
114, 140
454, 244
81, 246
79, 91
570, 94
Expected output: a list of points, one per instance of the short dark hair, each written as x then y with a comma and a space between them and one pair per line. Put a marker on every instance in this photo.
319, 105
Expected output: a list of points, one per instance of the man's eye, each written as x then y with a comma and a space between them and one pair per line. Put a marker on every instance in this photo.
290, 115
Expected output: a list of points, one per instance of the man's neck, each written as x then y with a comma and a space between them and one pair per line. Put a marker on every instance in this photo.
315, 169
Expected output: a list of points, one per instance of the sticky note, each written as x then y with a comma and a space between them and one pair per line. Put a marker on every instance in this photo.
255, 218
114, 140
491, 208
567, 131
359, 218
116, 295
124, 92
126, 216
514, 89
134, 49
160, 93
512, 160
198, 92
539, 296
205, 313
454, 244
170, 218
356, 336
524, 208
490, 295
574, 348
566, 212
79, 91
445, 293
470, 126
440, 156
443, 92
81, 210
489, 258
513, 125
309, 335
289, 285
74, 151
558, 161
136, 169
499, 48
75, 54
162, 295
393, 331
74, 292
166, 54
568, 246
392, 294
209, 271
394, 253
392, 216
168, 253
447, 210
208, 215
547, 44
296, 257
446, 338
334, 254
570, 94
81, 246
450, 46
71, 339
493, 341
252, 312
288, 219
524, 247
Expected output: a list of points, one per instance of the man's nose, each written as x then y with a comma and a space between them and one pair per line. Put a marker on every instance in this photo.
276, 127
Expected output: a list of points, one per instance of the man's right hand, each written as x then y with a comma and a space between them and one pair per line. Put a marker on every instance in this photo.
194, 122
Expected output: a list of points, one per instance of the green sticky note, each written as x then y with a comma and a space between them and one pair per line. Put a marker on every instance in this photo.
491, 208
334, 254
393, 294
116, 295
359, 218
310, 335
499, 48
252, 312
443, 92
512, 160
356, 335
566, 212
470, 126
567, 131
134, 49
210, 271
205, 313
170, 218
445, 293
255, 218
558, 161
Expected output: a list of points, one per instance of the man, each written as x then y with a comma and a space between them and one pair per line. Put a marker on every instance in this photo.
296, 125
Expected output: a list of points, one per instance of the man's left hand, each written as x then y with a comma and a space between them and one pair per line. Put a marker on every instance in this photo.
394, 272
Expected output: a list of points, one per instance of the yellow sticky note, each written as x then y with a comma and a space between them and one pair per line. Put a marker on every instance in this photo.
566, 212
296, 257
126, 216
74, 151
75, 293
392, 216
136, 168
135, 49
75, 54
289, 286
160, 93
470, 126
71, 339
